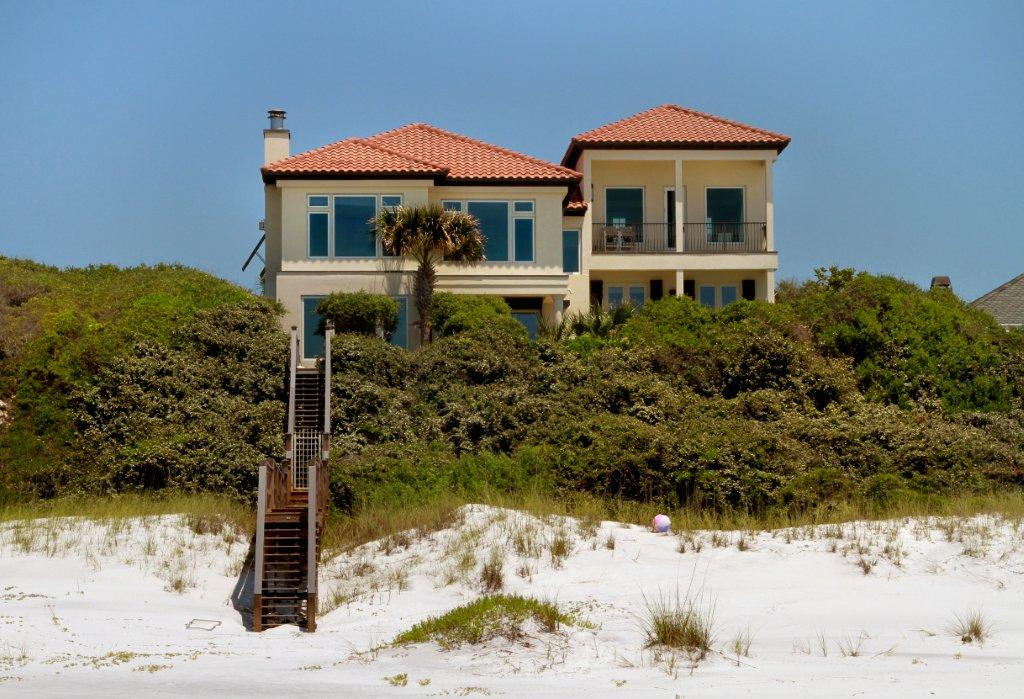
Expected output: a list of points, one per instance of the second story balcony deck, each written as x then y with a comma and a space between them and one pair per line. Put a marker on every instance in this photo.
654, 238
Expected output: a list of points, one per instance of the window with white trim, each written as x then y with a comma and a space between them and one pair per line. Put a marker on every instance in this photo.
508, 227
337, 225
317, 225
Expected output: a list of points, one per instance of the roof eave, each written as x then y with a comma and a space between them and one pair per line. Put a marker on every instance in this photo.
576, 148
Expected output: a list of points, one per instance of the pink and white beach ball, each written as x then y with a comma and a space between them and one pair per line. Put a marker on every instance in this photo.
661, 523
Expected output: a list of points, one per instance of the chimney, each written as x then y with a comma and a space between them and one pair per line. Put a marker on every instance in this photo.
276, 139
941, 283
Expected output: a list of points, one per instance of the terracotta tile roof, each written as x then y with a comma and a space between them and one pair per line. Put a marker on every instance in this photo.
1005, 302
421, 150
469, 160
573, 204
353, 156
672, 126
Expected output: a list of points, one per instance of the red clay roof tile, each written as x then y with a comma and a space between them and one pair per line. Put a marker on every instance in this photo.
421, 150
672, 126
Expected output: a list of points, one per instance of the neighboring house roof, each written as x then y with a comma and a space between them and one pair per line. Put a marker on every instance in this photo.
1005, 302
421, 150
672, 126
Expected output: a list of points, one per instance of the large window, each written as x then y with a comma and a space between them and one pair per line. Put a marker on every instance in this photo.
624, 205
493, 218
508, 228
570, 252
633, 294
713, 296
353, 234
724, 214
400, 336
312, 338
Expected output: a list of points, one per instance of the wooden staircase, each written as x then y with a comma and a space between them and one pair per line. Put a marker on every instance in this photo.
293, 502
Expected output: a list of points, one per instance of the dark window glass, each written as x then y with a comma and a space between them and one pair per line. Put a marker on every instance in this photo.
624, 206
352, 231
749, 289
725, 205
493, 217
530, 320
318, 235
400, 336
523, 207
636, 295
391, 200
524, 239
312, 339
570, 252
318, 200
707, 296
728, 295
614, 296
452, 205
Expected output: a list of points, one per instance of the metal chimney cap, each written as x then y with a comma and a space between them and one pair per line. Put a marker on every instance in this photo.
277, 117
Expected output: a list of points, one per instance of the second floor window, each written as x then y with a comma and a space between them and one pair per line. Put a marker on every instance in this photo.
508, 228
348, 216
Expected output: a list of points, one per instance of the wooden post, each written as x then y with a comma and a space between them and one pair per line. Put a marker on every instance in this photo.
328, 335
311, 558
292, 360
257, 584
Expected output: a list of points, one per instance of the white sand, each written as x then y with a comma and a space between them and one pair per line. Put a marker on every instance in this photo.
86, 610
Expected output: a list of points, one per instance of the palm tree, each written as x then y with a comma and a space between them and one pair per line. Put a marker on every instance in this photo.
428, 234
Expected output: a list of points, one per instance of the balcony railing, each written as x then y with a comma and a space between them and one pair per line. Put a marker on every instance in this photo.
642, 238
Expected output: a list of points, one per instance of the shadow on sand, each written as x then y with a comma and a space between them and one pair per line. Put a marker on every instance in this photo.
241, 596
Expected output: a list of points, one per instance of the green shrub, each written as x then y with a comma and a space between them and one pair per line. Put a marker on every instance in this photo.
60, 327
359, 312
196, 416
458, 313
909, 345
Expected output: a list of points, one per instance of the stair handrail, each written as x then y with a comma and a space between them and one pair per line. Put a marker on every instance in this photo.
292, 367
261, 516
312, 530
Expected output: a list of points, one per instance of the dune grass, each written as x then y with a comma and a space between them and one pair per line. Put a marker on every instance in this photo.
485, 618
371, 522
197, 507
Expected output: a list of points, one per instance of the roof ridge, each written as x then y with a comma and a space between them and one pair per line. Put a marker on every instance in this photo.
1001, 287
478, 142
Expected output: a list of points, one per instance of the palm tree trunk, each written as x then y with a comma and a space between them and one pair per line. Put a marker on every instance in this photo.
423, 291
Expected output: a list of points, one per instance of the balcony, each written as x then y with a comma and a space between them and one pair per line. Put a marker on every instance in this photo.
657, 238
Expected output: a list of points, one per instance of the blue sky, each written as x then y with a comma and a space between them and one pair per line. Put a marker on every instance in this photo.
132, 131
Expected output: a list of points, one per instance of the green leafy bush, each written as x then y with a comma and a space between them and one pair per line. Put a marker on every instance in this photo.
60, 327
457, 313
359, 312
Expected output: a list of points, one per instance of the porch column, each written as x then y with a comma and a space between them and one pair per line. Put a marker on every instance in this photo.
556, 309
679, 207
769, 213
680, 277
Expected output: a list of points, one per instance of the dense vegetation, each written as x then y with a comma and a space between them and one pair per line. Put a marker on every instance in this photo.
850, 386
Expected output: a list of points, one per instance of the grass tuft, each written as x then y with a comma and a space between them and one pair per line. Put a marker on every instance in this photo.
492, 578
681, 623
972, 627
483, 619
